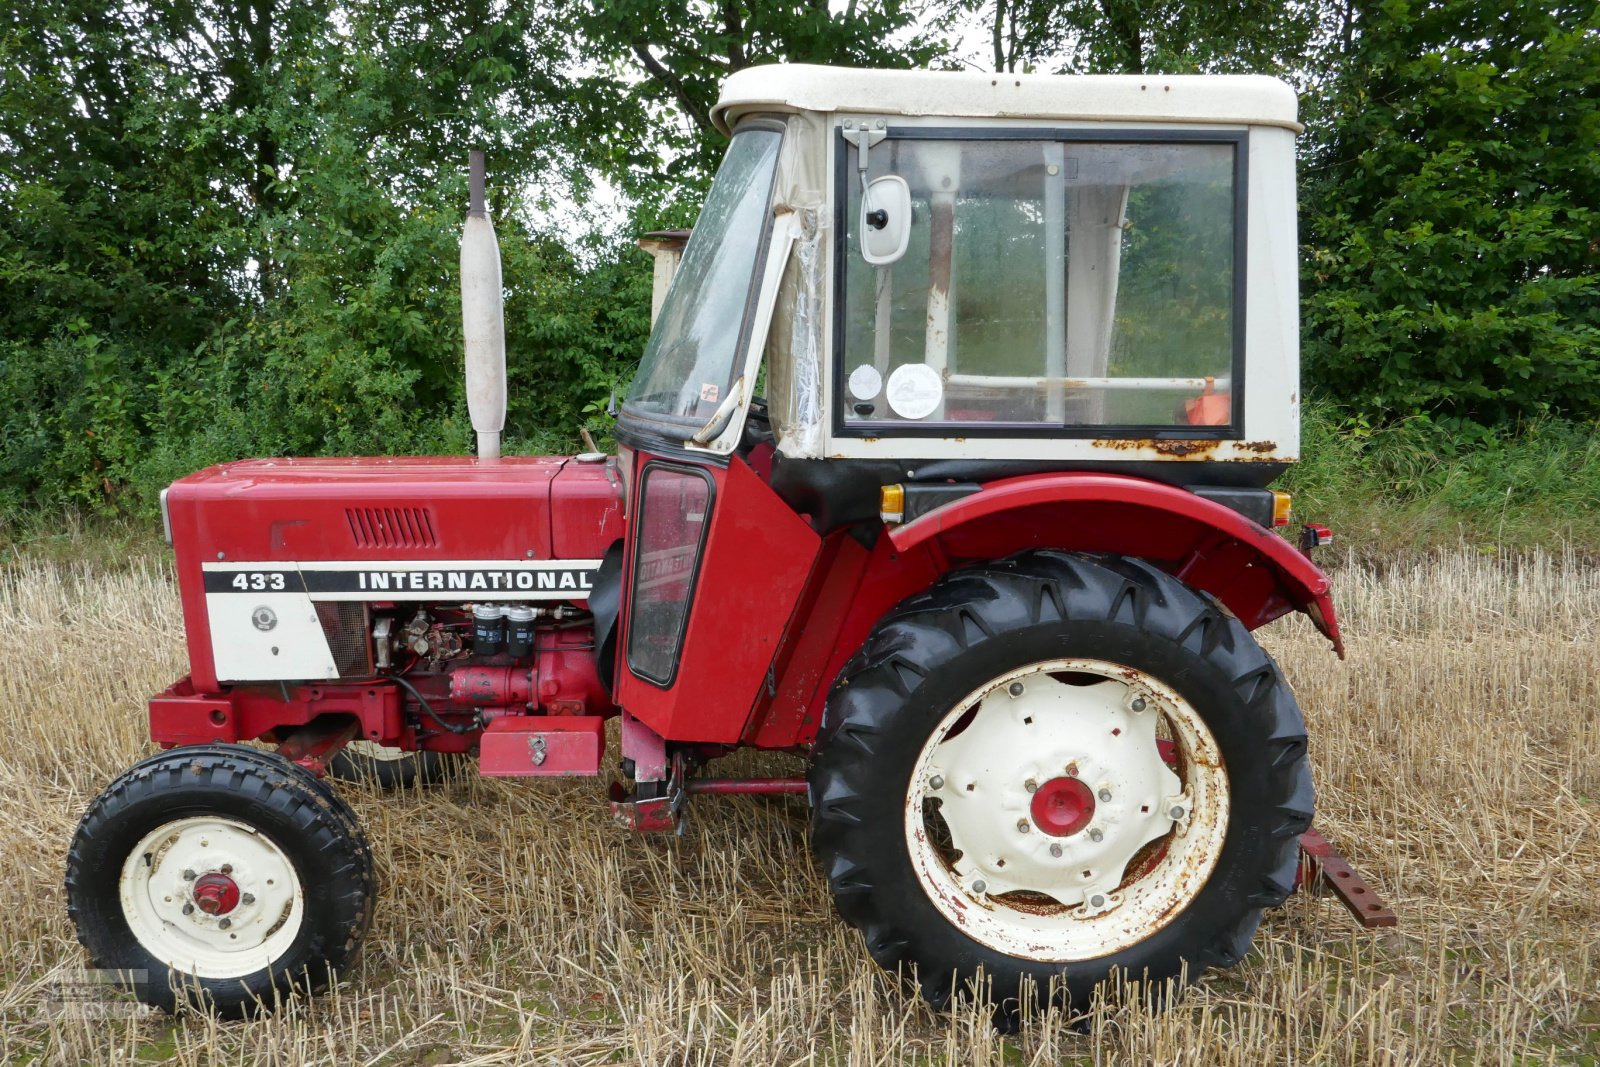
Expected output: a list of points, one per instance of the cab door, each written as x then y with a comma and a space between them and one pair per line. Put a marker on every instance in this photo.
715, 566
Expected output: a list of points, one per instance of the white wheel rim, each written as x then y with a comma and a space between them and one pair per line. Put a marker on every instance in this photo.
374, 751
168, 914
1019, 879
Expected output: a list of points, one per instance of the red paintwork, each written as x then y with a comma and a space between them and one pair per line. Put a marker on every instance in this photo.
1062, 806
180, 716
775, 613
571, 745
756, 561
1257, 574
491, 686
322, 510
215, 893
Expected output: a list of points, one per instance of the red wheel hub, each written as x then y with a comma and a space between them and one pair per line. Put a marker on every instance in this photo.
1062, 806
216, 894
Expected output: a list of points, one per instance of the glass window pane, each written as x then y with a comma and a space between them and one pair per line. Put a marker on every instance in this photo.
1046, 282
674, 506
689, 364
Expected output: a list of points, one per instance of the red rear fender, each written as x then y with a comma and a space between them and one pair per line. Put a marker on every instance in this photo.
1257, 574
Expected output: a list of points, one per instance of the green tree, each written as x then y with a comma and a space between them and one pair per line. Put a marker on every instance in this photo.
1452, 202
659, 67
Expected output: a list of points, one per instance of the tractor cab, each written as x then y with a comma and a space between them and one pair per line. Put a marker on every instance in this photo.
941, 266
906, 286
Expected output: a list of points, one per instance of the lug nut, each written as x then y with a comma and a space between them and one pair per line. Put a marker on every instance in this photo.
1097, 901
1015, 689
247, 898
188, 909
1105, 794
1030, 785
1022, 826
227, 868
1138, 704
1096, 834
1055, 850
188, 876
225, 923
980, 886
936, 782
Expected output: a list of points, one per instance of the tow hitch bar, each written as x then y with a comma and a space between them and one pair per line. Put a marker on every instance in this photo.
1321, 866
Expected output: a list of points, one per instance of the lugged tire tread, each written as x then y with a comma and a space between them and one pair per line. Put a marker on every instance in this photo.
265, 778
980, 604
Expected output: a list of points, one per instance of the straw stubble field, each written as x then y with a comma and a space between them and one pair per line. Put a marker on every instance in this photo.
1458, 760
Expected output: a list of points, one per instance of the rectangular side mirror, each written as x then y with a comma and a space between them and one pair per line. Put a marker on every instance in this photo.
885, 220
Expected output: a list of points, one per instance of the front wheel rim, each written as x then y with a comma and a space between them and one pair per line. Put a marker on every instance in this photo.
1067, 810
211, 897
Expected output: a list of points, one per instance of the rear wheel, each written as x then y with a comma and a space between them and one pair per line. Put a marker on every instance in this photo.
369, 763
1056, 769
220, 875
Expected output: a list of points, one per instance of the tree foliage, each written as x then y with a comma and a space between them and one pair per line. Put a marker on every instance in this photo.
230, 227
1451, 208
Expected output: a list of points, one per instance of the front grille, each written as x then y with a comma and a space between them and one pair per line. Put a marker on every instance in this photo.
345, 625
391, 527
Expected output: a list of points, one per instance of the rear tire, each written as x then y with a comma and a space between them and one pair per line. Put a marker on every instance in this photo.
996, 770
368, 763
222, 876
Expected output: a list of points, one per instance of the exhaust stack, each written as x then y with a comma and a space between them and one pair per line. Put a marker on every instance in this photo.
483, 320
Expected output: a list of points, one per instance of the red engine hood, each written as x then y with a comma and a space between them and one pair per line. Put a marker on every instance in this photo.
402, 509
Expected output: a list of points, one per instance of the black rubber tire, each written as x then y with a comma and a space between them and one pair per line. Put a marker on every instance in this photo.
302, 816
415, 768
937, 647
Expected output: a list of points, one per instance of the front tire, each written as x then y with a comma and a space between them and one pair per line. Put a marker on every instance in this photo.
220, 875
1055, 770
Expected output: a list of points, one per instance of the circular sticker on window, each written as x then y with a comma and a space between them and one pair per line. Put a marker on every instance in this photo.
865, 382
915, 391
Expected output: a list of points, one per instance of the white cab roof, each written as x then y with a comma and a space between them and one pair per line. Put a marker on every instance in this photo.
1229, 99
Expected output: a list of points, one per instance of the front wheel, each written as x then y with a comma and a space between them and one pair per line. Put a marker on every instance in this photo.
1057, 769
219, 875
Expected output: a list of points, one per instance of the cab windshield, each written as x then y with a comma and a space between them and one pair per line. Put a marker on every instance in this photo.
691, 360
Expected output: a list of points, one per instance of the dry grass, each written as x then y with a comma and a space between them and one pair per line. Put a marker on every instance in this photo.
1458, 753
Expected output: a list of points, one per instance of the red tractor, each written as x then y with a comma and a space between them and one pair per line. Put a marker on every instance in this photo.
987, 548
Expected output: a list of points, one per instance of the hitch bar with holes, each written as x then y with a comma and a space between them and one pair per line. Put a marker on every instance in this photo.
1322, 865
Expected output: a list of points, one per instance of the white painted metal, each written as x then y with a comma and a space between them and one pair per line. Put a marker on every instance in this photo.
1080, 904
1137, 384
786, 230
294, 647
154, 891
1094, 263
1055, 281
1236, 98
1272, 297
483, 327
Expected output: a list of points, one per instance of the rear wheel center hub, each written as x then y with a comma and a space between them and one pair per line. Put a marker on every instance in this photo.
216, 894
1062, 806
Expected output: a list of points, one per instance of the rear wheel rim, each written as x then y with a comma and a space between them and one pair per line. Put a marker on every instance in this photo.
1067, 810
211, 897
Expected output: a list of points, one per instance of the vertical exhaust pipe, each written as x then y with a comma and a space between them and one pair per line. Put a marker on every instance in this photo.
483, 321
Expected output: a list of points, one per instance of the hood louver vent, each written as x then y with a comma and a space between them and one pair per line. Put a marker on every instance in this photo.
391, 527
